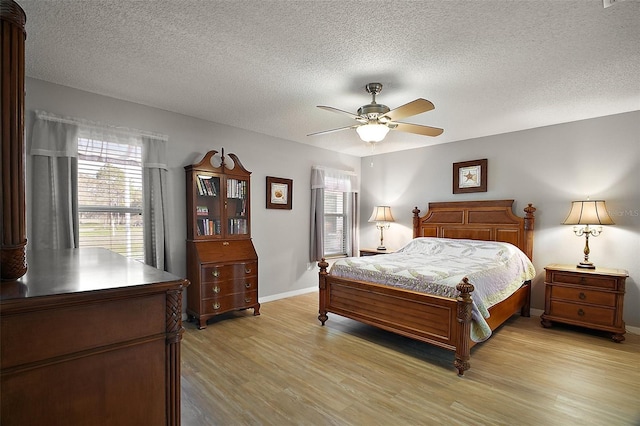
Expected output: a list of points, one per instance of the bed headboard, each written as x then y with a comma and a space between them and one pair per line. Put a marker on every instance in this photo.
477, 220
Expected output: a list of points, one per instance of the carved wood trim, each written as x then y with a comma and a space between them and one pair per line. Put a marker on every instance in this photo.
13, 263
174, 331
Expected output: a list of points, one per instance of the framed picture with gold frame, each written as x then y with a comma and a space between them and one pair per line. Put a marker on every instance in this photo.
279, 193
470, 176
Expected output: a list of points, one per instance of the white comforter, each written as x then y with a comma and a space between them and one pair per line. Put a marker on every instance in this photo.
437, 265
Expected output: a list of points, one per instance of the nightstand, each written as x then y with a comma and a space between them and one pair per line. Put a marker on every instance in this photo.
373, 252
592, 298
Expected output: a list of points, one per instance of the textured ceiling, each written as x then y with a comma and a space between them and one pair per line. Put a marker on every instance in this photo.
490, 67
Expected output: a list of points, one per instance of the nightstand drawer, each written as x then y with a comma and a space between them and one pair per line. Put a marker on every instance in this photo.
582, 313
583, 279
593, 297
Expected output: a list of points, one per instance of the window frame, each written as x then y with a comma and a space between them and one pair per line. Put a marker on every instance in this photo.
346, 243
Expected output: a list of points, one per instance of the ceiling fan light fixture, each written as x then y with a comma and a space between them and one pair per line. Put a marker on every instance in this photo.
375, 120
372, 132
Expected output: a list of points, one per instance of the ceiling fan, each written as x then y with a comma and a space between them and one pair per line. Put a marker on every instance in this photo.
375, 120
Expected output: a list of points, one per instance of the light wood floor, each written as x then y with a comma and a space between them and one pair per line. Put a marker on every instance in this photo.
283, 368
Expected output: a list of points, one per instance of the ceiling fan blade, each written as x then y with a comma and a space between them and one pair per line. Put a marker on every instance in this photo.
412, 108
419, 129
339, 111
324, 132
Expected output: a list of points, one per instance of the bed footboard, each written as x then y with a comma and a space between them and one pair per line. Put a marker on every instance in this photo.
437, 320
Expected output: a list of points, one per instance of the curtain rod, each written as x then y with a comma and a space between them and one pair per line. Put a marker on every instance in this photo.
349, 172
44, 115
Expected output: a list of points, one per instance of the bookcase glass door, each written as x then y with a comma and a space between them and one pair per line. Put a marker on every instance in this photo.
208, 205
237, 205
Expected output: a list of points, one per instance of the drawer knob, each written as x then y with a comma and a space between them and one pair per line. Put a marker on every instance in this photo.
582, 296
247, 299
580, 312
216, 289
247, 270
583, 280
216, 305
225, 243
247, 285
215, 273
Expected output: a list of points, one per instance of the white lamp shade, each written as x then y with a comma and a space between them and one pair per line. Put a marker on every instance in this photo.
372, 132
381, 214
588, 213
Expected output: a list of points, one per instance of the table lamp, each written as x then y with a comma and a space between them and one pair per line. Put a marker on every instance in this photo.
382, 217
588, 213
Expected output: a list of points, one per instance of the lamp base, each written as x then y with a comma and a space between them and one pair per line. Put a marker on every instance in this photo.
381, 248
586, 265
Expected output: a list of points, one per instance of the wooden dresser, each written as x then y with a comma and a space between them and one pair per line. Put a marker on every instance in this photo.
89, 337
592, 298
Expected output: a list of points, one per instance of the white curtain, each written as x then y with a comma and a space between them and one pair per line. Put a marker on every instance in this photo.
54, 148
155, 204
54, 202
339, 180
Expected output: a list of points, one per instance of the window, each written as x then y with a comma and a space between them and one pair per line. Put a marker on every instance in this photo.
335, 223
334, 209
110, 196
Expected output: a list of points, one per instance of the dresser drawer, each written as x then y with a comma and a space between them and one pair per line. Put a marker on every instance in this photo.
582, 279
213, 273
224, 288
582, 313
231, 302
593, 297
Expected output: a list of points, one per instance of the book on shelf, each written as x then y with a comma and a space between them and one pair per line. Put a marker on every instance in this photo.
208, 226
236, 188
206, 186
199, 186
238, 226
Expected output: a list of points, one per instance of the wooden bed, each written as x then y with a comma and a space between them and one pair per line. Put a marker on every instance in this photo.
441, 321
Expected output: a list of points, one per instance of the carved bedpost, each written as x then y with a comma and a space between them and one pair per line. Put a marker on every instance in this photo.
463, 340
322, 275
416, 222
529, 220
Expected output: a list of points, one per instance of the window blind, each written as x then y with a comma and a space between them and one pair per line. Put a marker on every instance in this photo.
335, 220
110, 196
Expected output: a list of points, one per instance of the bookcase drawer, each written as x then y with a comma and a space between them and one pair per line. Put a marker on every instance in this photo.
224, 288
214, 273
234, 301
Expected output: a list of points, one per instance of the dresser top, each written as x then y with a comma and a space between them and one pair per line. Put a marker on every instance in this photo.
597, 271
74, 271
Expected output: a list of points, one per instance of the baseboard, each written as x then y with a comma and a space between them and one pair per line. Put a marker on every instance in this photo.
536, 312
288, 294
633, 330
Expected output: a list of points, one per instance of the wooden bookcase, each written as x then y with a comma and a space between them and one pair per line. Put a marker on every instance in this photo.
222, 263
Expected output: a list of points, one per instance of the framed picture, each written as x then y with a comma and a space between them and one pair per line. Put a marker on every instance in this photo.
279, 193
470, 176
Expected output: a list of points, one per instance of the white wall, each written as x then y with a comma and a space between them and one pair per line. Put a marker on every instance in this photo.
281, 237
549, 167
